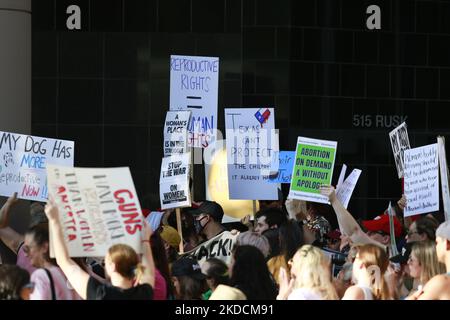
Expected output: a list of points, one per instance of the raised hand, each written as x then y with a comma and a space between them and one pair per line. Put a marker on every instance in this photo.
329, 192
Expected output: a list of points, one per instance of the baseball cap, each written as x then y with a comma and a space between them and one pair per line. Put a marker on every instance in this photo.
381, 223
171, 236
223, 292
403, 257
210, 207
187, 267
443, 231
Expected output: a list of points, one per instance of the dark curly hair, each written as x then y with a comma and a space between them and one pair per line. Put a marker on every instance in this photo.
12, 280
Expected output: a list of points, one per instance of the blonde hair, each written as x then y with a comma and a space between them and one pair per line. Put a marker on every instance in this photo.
126, 261
313, 273
376, 262
425, 252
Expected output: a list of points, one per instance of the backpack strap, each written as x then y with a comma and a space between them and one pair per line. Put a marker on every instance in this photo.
52, 284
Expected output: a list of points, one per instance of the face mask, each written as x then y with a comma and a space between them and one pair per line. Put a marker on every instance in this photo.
198, 226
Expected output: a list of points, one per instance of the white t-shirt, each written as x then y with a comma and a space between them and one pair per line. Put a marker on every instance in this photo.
304, 294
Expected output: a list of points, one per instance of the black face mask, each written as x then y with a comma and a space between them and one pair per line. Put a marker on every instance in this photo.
198, 226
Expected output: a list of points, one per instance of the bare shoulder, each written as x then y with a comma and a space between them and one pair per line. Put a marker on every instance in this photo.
437, 288
353, 293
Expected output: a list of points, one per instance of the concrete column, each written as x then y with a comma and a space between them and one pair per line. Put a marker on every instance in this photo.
15, 66
15, 89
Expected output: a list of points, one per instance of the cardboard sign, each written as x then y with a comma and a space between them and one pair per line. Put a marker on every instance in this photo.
314, 163
251, 143
421, 178
174, 181
219, 247
345, 188
400, 142
443, 169
282, 166
23, 161
175, 132
98, 207
194, 83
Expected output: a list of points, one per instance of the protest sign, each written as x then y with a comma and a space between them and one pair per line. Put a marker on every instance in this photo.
421, 178
219, 247
98, 207
281, 167
194, 83
444, 176
314, 163
345, 188
400, 142
23, 160
174, 181
251, 142
216, 183
175, 132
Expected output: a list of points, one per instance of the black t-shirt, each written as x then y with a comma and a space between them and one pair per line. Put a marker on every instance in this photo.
100, 291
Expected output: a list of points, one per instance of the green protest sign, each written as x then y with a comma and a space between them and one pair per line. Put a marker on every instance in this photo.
314, 163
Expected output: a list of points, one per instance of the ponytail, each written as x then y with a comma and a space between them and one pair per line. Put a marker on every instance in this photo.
138, 272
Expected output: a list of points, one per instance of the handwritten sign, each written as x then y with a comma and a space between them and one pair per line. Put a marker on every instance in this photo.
175, 132
174, 181
251, 143
400, 143
220, 247
345, 187
282, 166
444, 177
314, 163
23, 160
421, 178
98, 207
194, 83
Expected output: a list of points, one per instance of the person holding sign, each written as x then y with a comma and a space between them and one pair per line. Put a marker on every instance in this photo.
438, 288
130, 280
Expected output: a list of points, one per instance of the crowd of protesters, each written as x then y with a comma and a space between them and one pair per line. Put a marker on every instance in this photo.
290, 251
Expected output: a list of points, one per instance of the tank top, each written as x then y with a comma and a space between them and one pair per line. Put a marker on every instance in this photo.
367, 292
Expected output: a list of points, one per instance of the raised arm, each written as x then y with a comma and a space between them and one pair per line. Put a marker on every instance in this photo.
9, 236
347, 224
77, 277
148, 275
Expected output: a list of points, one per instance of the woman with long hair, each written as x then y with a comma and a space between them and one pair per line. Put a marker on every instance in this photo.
163, 284
50, 282
249, 273
369, 269
290, 237
129, 278
423, 263
311, 277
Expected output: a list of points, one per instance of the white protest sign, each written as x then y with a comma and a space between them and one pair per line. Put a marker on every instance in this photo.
345, 189
194, 85
444, 176
251, 142
341, 176
174, 181
219, 247
175, 132
400, 142
98, 207
421, 179
313, 167
23, 160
